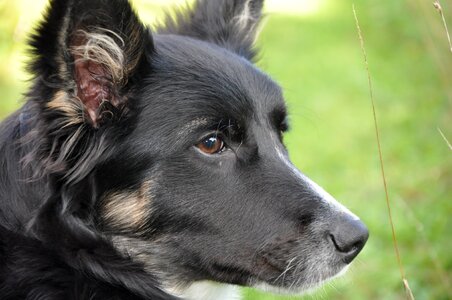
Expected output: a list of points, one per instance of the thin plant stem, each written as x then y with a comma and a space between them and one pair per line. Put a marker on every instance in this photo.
439, 8
377, 134
445, 139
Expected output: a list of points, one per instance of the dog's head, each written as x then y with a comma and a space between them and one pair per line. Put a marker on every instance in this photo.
170, 144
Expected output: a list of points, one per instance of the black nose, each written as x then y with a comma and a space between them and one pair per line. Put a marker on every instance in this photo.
349, 236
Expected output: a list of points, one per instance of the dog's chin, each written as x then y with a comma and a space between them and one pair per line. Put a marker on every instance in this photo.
298, 287
210, 290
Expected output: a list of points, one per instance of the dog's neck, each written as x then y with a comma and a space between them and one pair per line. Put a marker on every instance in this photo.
206, 290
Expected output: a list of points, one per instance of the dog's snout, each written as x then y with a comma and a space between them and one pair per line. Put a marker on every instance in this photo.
349, 236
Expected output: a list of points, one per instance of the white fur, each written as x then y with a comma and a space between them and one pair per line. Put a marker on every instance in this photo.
315, 187
206, 290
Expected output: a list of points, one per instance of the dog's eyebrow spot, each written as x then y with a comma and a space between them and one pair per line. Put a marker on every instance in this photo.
128, 210
192, 126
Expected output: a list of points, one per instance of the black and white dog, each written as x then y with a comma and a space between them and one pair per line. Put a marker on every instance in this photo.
151, 165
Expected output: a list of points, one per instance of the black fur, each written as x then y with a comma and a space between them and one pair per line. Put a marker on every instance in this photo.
105, 190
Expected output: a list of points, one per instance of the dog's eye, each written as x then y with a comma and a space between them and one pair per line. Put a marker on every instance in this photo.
211, 145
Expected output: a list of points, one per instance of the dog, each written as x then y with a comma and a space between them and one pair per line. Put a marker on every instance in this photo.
151, 165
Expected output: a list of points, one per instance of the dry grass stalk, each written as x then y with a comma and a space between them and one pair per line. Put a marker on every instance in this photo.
409, 294
438, 7
445, 139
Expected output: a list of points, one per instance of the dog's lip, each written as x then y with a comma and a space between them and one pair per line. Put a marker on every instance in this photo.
263, 271
273, 264
280, 286
268, 269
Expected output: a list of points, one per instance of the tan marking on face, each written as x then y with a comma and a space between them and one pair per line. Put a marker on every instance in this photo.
128, 210
69, 106
190, 126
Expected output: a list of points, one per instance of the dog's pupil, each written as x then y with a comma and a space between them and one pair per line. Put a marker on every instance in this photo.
210, 142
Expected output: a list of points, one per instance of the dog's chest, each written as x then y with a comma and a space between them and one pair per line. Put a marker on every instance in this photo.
206, 290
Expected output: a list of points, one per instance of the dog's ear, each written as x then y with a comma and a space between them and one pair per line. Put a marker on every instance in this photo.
231, 24
89, 53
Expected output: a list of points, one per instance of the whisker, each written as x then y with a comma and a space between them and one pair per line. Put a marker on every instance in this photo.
289, 267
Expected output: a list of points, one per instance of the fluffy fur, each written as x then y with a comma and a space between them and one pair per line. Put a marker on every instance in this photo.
146, 165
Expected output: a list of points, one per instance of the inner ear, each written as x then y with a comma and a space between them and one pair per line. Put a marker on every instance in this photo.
99, 66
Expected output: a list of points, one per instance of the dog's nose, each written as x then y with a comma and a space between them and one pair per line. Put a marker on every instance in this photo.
349, 236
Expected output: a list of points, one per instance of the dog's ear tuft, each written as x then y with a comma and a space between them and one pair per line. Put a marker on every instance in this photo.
231, 24
90, 51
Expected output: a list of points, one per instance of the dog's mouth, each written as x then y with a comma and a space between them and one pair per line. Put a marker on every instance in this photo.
295, 266
290, 278
294, 276
279, 273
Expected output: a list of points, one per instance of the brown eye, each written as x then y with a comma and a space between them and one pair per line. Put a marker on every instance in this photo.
211, 145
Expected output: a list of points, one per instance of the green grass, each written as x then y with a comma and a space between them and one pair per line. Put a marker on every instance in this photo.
318, 61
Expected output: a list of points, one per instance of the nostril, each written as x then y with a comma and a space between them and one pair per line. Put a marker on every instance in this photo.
335, 243
346, 248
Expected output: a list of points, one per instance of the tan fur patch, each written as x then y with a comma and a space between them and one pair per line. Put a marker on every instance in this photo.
128, 210
190, 126
72, 108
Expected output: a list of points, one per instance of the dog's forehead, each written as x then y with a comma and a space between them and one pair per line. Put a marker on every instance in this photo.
205, 76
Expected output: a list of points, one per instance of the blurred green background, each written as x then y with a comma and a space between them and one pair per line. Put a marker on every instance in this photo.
311, 48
